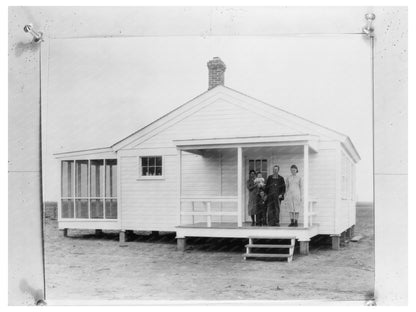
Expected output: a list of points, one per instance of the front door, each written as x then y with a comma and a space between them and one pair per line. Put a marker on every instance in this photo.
259, 164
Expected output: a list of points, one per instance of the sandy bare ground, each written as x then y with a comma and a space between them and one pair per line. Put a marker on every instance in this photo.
83, 266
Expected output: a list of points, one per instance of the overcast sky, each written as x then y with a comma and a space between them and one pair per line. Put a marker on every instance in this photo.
100, 90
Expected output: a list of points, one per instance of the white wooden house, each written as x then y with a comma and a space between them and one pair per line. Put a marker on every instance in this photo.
186, 172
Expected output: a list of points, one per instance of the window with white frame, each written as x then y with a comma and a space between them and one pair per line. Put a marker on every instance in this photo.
151, 166
258, 165
89, 189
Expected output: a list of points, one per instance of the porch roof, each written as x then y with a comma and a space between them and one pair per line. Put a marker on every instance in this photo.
255, 141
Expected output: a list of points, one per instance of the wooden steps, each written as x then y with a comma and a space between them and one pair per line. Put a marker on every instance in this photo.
262, 255
268, 246
290, 246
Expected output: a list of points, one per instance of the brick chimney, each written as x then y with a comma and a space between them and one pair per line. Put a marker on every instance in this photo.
216, 69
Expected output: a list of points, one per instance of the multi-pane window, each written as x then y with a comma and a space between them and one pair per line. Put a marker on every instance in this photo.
151, 166
89, 189
258, 165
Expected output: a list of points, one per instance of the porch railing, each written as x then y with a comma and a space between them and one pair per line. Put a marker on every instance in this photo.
207, 204
209, 212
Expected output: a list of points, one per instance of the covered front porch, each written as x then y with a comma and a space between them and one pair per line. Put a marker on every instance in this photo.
213, 193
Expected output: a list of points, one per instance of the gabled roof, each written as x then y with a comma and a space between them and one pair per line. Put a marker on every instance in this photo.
239, 98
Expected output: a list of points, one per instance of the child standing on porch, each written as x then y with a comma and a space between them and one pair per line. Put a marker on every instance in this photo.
261, 207
293, 195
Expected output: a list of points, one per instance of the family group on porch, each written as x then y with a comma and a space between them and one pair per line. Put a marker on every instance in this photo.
265, 198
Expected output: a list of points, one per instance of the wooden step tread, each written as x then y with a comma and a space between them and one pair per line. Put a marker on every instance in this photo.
280, 237
269, 246
356, 238
261, 255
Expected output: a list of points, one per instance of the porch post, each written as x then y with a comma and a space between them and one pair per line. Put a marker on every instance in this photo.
181, 243
122, 238
336, 241
305, 185
239, 186
304, 247
209, 217
64, 232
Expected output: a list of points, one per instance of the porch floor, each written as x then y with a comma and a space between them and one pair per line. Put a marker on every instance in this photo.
230, 229
246, 225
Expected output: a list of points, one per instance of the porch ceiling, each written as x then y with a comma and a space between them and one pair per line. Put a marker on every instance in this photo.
273, 142
254, 151
273, 149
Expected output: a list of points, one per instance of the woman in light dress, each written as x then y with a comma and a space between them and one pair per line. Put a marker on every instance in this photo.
293, 196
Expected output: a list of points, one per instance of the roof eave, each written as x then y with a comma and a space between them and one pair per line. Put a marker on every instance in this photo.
85, 152
350, 148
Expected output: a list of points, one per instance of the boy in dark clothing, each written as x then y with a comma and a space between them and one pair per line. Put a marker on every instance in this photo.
261, 207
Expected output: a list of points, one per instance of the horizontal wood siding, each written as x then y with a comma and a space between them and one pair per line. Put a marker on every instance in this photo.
152, 204
322, 188
213, 174
321, 184
229, 181
220, 119
346, 214
149, 204
201, 177
343, 216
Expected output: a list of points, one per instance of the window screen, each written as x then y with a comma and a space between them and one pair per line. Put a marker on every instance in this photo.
89, 189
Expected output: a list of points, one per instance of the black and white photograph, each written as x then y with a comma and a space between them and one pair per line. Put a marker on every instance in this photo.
207, 155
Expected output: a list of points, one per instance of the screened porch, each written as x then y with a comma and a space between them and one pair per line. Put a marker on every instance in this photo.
88, 190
